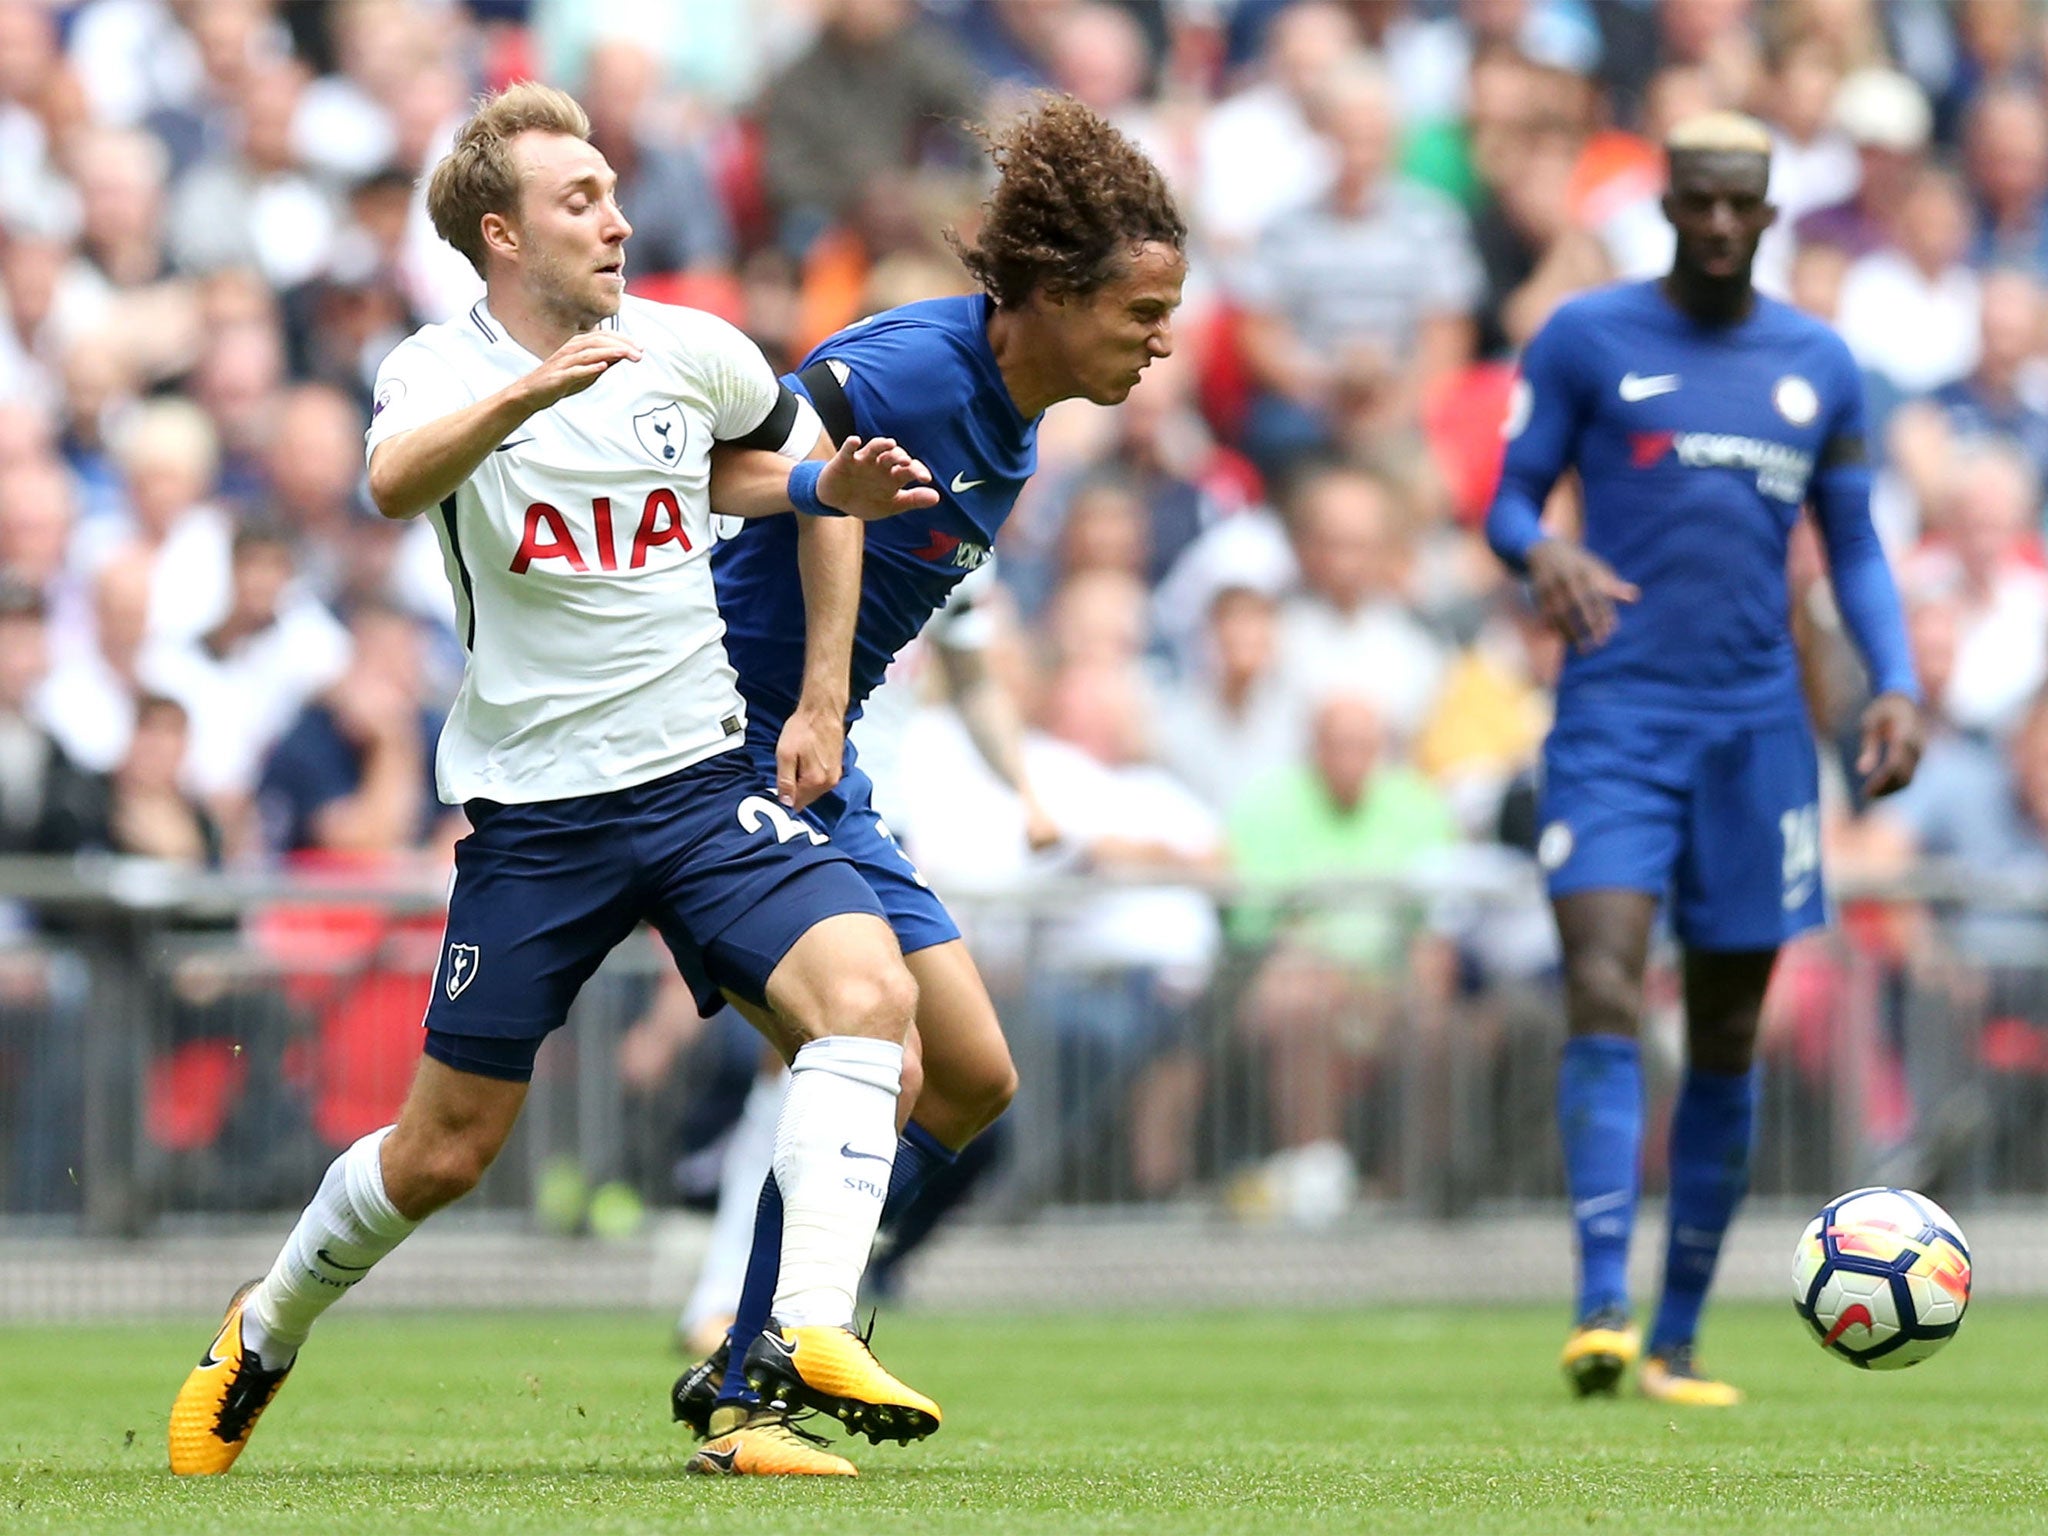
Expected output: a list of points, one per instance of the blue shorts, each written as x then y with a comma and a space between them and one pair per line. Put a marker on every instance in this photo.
847, 815
1722, 819
544, 892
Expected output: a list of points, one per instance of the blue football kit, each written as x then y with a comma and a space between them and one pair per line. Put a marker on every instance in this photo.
925, 375
1682, 762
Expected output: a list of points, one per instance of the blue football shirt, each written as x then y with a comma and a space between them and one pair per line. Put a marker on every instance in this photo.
925, 375
1697, 446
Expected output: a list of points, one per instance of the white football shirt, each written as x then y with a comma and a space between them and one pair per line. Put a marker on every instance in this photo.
578, 553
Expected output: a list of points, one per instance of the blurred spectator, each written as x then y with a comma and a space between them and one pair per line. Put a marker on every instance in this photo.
1813, 160
90, 699
1013, 42
874, 96
1123, 969
169, 458
312, 471
1883, 113
1235, 720
37, 516
246, 680
251, 203
30, 67
1099, 53
1350, 627
340, 324
1360, 301
48, 802
151, 816
1098, 617
49, 805
354, 775
233, 42
1531, 250
1259, 156
239, 376
1489, 722
1333, 986
1989, 568
664, 185
1909, 311
2005, 147
2005, 395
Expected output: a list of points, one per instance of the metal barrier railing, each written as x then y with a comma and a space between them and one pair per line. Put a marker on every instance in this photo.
175, 1043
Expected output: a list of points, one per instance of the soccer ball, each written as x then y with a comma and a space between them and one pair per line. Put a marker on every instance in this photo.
1882, 1277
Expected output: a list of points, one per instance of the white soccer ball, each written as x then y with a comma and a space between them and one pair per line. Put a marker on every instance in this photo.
1882, 1276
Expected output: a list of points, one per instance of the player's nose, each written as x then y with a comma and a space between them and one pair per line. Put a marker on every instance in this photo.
1160, 343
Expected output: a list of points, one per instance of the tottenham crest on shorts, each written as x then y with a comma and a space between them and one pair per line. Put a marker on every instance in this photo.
661, 432
462, 961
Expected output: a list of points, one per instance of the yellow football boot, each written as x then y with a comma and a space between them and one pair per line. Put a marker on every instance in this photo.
766, 1444
1598, 1352
833, 1371
221, 1400
1673, 1378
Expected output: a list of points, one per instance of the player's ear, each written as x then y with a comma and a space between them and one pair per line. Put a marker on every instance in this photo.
1770, 215
500, 234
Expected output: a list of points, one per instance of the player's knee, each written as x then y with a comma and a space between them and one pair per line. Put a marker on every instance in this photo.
1604, 993
437, 1171
998, 1087
877, 1001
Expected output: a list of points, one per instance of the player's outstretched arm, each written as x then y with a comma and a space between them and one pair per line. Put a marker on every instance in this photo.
414, 470
867, 480
810, 754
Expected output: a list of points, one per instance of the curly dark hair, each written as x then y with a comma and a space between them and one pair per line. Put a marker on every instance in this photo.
1073, 197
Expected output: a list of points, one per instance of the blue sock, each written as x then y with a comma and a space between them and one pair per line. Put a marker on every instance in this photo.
1600, 1119
1710, 1141
757, 1294
919, 1155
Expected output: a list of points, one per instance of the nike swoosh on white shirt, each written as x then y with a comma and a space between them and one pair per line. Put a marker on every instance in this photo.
1637, 386
961, 483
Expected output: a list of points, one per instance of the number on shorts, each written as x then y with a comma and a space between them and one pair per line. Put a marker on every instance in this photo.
1800, 830
756, 809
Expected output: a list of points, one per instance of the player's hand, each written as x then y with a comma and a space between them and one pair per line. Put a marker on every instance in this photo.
1577, 591
1894, 735
1040, 830
810, 754
875, 479
575, 365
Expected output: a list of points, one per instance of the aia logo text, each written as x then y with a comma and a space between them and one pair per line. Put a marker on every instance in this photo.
547, 535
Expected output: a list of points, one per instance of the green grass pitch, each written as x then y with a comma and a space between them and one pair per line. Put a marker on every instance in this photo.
1384, 1421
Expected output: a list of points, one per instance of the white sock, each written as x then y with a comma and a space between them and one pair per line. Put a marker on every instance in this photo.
834, 1146
350, 1225
748, 1157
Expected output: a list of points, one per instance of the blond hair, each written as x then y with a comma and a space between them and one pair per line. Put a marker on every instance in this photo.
1734, 133
477, 176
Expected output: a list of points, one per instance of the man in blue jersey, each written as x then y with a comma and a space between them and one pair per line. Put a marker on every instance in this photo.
1701, 418
1080, 256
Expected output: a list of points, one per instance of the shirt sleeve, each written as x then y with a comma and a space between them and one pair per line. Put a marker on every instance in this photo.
415, 385
1546, 408
1864, 590
742, 389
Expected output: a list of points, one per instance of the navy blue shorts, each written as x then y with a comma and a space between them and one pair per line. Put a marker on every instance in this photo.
1722, 819
846, 814
543, 892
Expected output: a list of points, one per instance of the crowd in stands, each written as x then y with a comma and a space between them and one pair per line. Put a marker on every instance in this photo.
1248, 614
